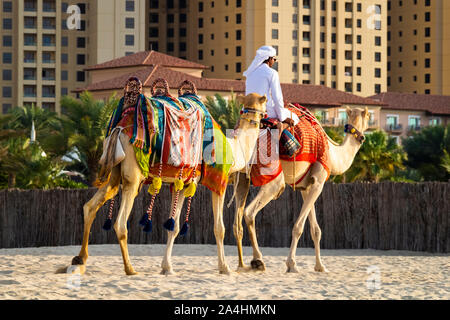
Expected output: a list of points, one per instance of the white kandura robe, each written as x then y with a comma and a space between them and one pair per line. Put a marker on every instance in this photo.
265, 81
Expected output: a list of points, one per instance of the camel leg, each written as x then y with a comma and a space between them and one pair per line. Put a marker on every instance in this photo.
166, 264
90, 209
316, 234
242, 190
267, 193
131, 180
219, 230
318, 178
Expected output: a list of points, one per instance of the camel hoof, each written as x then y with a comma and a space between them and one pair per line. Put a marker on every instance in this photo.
77, 261
167, 272
292, 269
258, 265
321, 269
130, 272
225, 270
244, 268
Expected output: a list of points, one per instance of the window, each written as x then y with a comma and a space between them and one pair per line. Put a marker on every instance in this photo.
238, 51
377, 73
294, 18
238, 18
427, 47
7, 92
154, 4
358, 71
7, 24
64, 41
170, 46
81, 42
129, 40
274, 3
414, 122
238, 3
7, 41
200, 22
275, 17
81, 59
6, 107
378, 88
64, 58
80, 76
183, 46
427, 32
378, 41
238, 34
306, 20
200, 38
64, 75
306, 36
183, 18
154, 45
294, 67
170, 33
294, 51
238, 67
306, 68
427, 63
7, 6
427, 78
154, 18
129, 23
129, 6
306, 52
274, 33
7, 74
294, 35
378, 56
427, 16
200, 54
183, 32
7, 58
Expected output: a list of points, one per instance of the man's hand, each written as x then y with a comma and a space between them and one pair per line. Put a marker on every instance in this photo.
289, 122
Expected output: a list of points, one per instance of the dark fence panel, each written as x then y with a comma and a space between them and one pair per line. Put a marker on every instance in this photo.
386, 216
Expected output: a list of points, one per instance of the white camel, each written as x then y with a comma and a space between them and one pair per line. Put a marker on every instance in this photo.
128, 173
340, 160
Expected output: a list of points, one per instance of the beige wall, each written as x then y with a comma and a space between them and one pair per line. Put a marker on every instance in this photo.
256, 28
409, 35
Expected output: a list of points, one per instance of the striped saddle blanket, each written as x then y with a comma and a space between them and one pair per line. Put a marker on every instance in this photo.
313, 148
180, 134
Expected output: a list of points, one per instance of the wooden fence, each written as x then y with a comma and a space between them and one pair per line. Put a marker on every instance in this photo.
386, 216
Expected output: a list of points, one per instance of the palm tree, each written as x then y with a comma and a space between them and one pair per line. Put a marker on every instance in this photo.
379, 158
225, 112
82, 129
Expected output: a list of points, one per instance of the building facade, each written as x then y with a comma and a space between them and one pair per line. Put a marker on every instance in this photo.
47, 44
339, 44
419, 46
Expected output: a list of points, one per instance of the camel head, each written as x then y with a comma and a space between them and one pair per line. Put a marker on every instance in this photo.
254, 108
357, 119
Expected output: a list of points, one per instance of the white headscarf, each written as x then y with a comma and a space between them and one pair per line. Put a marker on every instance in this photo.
262, 54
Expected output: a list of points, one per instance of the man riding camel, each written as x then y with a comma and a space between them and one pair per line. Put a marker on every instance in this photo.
264, 80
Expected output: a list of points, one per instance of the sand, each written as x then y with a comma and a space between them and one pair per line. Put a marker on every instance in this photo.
29, 273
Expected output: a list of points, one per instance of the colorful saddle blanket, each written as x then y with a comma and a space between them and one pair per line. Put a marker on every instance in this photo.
181, 135
314, 148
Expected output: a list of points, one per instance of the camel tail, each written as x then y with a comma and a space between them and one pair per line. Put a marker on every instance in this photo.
107, 161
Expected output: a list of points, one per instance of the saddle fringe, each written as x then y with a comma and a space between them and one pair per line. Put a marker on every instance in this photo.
106, 168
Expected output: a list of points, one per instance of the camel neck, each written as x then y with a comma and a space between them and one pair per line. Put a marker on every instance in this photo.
342, 156
243, 144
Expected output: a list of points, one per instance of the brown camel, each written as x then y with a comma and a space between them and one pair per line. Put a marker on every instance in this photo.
128, 173
340, 160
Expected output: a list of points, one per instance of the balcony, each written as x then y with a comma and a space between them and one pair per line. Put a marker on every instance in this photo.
29, 23
394, 128
414, 129
29, 91
48, 24
48, 41
48, 91
30, 40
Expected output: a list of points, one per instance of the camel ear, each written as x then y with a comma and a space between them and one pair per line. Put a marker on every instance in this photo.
349, 111
263, 99
366, 112
240, 99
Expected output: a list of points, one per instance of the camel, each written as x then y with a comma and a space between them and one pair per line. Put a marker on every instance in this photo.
340, 159
128, 173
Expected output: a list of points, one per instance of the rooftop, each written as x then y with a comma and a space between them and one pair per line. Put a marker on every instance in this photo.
434, 104
147, 58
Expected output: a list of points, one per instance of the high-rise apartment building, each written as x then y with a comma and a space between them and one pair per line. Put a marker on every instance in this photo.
419, 46
341, 44
47, 44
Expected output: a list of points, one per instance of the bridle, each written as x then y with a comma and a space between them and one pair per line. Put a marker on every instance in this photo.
250, 110
354, 132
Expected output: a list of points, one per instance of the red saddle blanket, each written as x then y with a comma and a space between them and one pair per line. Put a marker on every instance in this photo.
314, 148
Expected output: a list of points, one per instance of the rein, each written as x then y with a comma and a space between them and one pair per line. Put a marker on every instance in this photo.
249, 110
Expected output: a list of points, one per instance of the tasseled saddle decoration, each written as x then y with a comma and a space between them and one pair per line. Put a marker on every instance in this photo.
108, 223
154, 189
178, 185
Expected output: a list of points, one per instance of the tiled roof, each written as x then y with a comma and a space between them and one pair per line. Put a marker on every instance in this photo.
174, 78
321, 95
147, 58
308, 95
433, 104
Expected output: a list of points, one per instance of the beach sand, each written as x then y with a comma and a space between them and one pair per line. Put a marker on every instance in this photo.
29, 273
